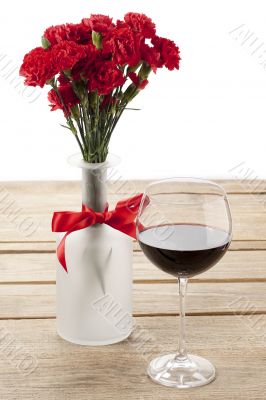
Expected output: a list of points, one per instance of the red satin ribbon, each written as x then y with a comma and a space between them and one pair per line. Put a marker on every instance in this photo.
121, 218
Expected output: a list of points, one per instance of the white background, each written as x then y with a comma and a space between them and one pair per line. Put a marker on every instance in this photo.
202, 120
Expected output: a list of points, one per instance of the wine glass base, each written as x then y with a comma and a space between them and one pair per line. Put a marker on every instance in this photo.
181, 372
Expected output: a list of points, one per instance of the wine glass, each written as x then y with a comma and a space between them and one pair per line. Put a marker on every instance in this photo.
184, 227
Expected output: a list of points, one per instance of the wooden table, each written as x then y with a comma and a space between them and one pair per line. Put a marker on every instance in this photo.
226, 307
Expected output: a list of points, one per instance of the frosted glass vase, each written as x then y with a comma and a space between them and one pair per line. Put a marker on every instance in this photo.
94, 298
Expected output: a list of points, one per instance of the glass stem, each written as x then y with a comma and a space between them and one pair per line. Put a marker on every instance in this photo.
182, 283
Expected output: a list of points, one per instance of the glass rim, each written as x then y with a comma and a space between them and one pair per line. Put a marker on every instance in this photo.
186, 178
222, 193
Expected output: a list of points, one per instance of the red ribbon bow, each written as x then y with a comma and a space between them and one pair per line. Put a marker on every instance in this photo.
121, 218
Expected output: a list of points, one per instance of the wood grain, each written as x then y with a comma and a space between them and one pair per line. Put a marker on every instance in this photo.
71, 372
20, 247
33, 203
127, 187
34, 267
38, 301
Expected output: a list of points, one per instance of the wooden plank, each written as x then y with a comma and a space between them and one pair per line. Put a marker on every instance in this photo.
120, 186
240, 185
30, 218
247, 245
28, 247
26, 210
70, 372
38, 301
49, 247
237, 266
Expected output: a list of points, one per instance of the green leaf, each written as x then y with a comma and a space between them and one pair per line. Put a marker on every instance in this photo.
64, 126
80, 89
96, 40
144, 71
130, 93
45, 43
93, 99
134, 67
67, 73
50, 81
75, 112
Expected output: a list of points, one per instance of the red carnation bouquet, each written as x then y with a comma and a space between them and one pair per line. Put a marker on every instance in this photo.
95, 68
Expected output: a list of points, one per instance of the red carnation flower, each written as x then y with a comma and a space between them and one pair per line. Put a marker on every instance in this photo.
55, 34
123, 44
66, 54
78, 33
169, 52
140, 23
104, 77
98, 23
37, 67
136, 80
82, 67
68, 96
151, 56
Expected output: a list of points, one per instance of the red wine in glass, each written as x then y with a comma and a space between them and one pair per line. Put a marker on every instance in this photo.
184, 249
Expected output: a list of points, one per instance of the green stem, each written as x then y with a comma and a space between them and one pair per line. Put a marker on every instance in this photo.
69, 119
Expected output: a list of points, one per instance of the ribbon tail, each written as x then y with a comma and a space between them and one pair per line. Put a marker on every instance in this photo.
60, 251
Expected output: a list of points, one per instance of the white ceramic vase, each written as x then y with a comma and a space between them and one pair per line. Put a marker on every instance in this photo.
94, 298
